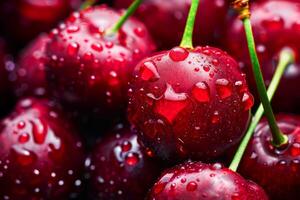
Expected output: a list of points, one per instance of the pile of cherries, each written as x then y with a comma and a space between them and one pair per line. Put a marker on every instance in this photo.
100, 100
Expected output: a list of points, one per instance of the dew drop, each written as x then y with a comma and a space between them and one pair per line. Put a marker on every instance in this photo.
72, 49
109, 44
206, 68
21, 125
223, 88
72, 29
39, 131
191, 186
247, 101
132, 159
201, 92
23, 138
23, 156
215, 118
126, 146
139, 31
178, 54
97, 47
295, 149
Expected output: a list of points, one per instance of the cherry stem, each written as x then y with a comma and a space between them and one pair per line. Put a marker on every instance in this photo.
87, 3
279, 138
132, 8
187, 38
286, 57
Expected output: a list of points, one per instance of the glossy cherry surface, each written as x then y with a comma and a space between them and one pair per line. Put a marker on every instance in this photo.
274, 29
189, 103
88, 70
276, 170
198, 181
41, 157
22, 20
119, 168
31, 72
168, 20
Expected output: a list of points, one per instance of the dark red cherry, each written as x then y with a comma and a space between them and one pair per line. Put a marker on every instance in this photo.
22, 20
274, 29
41, 157
119, 168
168, 19
199, 181
89, 70
276, 170
30, 73
189, 103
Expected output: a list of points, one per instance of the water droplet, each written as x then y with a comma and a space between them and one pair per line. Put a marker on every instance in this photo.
23, 156
217, 166
201, 92
183, 180
206, 68
159, 187
113, 79
215, 62
132, 159
126, 146
215, 118
295, 149
109, 44
275, 23
39, 131
148, 71
191, 186
73, 29
97, 47
72, 49
23, 138
21, 125
248, 101
178, 54
223, 88
196, 69
88, 56
139, 31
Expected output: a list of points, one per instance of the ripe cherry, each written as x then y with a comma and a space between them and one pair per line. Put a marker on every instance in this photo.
31, 74
22, 20
189, 103
119, 168
41, 157
276, 170
168, 19
274, 29
196, 180
88, 69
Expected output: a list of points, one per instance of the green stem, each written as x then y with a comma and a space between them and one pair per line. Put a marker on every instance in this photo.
279, 138
286, 57
132, 8
87, 3
187, 38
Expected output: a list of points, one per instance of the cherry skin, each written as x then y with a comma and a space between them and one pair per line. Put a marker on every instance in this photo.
41, 157
274, 29
196, 180
88, 70
22, 20
30, 73
119, 168
276, 170
168, 20
189, 103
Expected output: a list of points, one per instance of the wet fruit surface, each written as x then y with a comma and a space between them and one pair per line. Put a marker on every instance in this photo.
41, 157
189, 103
119, 168
277, 170
197, 181
30, 73
274, 29
89, 70
168, 19
22, 20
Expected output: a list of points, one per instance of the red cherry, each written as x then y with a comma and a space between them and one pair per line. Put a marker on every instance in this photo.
119, 168
88, 70
276, 170
41, 157
195, 180
274, 29
22, 20
189, 103
168, 19
31, 74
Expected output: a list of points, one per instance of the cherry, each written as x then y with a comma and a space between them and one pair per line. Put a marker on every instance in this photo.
189, 103
274, 29
119, 168
88, 68
41, 157
196, 180
31, 74
22, 20
276, 170
168, 19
